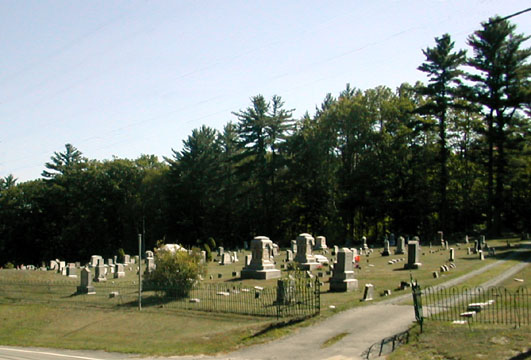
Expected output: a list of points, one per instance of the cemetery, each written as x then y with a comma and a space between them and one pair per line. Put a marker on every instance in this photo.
384, 271
266, 286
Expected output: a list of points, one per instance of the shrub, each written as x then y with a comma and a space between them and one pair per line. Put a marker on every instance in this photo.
208, 252
211, 243
121, 255
175, 273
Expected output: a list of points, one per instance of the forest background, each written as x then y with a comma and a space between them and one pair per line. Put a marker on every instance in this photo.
452, 155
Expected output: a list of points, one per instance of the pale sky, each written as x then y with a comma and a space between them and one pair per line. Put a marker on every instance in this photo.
125, 78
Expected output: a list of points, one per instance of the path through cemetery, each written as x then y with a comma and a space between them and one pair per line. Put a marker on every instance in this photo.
363, 326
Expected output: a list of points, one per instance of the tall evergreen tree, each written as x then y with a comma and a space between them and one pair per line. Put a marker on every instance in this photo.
500, 86
442, 66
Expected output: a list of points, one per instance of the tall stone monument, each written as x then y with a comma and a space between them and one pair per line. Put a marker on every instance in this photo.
343, 276
400, 246
304, 252
261, 266
364, 240
413, 261
320, 243
386, 251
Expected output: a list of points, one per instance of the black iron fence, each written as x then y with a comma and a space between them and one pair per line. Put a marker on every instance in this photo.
290, 298
494, 305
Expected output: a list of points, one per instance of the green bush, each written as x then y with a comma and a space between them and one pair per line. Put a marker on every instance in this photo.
175, 273
9, 265
208, 252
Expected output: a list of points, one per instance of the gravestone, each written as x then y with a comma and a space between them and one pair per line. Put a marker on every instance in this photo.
234, 257
294, 246
203, 256
400, 246
482, 242
466, 239
289, 255
127, 258
336, 249
94, 260
413, 261
54, 265
248, 259
99, 275
304, 252
286, 292
71, 270
62, 268
452, 254
85, 286
261, 266
364, 240
110, 261
225, 259
440, 237
119, 271
386, 248
221, 251
275, 250
342, 279
468, 251
476, 246
481, 255
150, 264
320, 243
368, 293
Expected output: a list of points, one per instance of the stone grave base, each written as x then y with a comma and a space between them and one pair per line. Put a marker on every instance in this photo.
310, 266
260, 274
412, 266
343, 285
86, 290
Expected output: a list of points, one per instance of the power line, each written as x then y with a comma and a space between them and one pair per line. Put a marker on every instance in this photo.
508, 16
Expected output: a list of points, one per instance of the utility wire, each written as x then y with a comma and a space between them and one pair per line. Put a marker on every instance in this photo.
508, 16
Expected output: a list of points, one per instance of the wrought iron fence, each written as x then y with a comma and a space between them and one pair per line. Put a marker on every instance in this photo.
291, 297
494, 305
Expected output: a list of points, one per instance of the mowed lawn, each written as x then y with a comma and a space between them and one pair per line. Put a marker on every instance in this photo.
129, 331
159, 331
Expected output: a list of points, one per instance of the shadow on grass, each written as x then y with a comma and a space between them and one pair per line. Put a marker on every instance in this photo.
153, 301
524, 256
279, 325
522, 356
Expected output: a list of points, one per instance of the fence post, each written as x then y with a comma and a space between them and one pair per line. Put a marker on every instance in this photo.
318, 295
417, 302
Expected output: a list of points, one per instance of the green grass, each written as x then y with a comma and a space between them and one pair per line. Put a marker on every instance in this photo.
446, 341
145, 332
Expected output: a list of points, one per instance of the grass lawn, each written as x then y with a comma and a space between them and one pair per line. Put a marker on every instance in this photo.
145, 332
446, 341
157, 331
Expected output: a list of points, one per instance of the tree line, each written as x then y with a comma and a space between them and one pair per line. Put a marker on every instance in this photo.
450, 155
